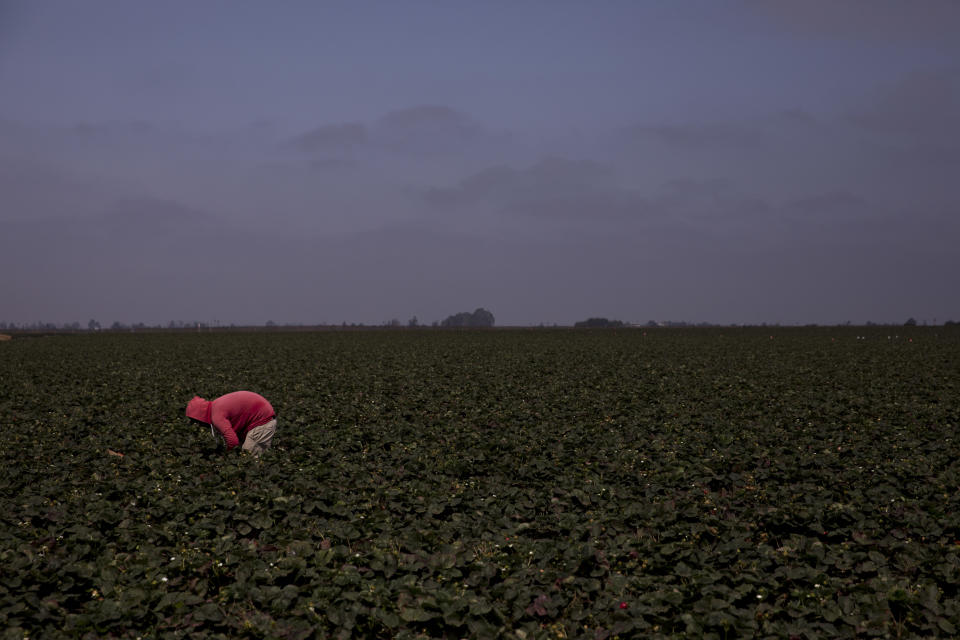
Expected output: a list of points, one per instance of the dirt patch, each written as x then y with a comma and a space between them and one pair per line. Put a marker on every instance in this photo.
4, 336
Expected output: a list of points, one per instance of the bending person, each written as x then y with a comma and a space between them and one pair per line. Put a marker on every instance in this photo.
241, 417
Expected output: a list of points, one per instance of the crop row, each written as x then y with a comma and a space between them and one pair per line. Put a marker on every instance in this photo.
717, 483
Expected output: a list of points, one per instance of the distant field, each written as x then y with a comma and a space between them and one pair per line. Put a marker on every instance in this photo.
511, 483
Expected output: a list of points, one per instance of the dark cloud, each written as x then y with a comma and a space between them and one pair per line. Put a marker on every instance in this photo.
760, 179
332, 137
144, 215
924, 105
553, 190
713, 206
35, 190
426, 116
549, 178
825, 205
668, 271
492, 183
913, 126
586, 208
881, 20
131, 266
698, 136
585, 193
427, 129
156, 261
933, 155
686, 187
796, 119
559, 172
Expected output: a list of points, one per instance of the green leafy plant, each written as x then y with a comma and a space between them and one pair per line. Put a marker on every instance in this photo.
699, 482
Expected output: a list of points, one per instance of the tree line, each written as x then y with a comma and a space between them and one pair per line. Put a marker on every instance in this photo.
479, 318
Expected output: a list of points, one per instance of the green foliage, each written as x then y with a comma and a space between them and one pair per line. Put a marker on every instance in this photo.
479, 318
598, 323
687, 483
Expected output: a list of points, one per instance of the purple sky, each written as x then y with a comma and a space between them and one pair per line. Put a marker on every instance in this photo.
316, 162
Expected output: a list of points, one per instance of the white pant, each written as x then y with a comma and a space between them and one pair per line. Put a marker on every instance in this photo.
258, 439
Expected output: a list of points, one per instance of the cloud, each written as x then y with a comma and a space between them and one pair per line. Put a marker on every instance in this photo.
424, 132
683, 224
713, 206
827, 204
934, 155
426, 116
138, 259
698, 136
880, 20
923, 105
557, 196
686, 187
796, 119
554, 189
500, 184
160, 260
913, 125
427, 129
556, 171
134, 227
617, 206
332, 137
148, 215
589, 195
490, 184
36, 190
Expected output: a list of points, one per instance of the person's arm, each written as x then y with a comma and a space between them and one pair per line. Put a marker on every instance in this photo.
226, 430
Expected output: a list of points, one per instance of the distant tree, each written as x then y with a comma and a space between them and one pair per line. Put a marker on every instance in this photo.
949, 323
93, 325
393, 322
413, 322
911, 322
479, 318
461, 319
271, 323
598, 323
117, 325
482, 318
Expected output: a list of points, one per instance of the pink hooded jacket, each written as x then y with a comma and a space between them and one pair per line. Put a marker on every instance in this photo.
233, 414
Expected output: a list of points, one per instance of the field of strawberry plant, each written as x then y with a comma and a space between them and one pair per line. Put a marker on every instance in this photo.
523, 484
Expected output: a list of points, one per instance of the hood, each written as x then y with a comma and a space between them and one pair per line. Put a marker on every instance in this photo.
199, 409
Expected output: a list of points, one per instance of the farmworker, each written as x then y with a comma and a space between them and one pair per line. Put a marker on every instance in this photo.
241, 417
